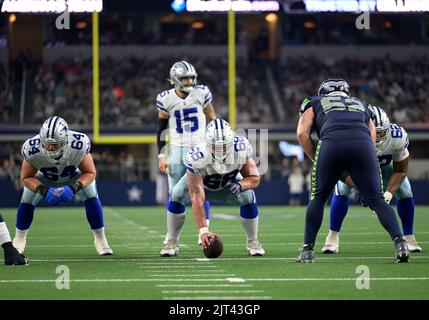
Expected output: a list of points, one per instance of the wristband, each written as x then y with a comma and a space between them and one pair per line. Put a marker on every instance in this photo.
41, 189
203, 230
76, 186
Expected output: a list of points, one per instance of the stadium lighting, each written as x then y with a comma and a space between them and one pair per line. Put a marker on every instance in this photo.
12, 18
271, 17
52, 6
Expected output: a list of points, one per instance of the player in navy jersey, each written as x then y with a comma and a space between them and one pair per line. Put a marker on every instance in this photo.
346, 146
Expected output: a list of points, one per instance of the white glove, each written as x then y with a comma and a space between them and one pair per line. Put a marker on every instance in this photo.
388, 196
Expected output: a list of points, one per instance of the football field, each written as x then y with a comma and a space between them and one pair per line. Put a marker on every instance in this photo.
64, 263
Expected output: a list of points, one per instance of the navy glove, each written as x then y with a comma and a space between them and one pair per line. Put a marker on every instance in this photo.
235, 188
52, 196
65, 193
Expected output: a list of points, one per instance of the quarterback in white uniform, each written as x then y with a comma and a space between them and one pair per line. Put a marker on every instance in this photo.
221, 169
57, 166
392, 151
184, 109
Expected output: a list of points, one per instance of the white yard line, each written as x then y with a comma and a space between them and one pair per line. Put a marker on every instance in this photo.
220, 298
216, 279
211, 291
202, 285
145, 258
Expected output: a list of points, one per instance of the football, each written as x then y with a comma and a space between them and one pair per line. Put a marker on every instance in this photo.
214, 249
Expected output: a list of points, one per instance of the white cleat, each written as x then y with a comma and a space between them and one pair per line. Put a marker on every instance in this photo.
102, 247
412, 243
254, 248
171, 249
19, 244
332, 243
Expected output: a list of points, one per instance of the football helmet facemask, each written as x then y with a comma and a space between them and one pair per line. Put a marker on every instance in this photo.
219, 140
183, 69
54, 137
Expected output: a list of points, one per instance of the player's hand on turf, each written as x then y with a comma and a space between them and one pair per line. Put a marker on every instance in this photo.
65, 193
162, 164
206, 237
235, 188
52, 196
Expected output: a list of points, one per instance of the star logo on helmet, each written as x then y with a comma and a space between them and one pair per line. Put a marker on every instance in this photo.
180, 70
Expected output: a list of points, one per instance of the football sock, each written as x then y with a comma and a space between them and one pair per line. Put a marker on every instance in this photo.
94, 213
175, 219
313, 220
99, 233
4, 232
387, 217
25, 216
249, 220
339, 207
207, 208
406, 214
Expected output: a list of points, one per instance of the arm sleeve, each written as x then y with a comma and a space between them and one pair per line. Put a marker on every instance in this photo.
162, 125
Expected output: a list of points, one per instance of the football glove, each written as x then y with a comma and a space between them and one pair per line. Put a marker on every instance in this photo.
65, 193
52, 196
235, 188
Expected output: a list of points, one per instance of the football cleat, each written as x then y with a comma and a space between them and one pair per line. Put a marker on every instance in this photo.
12, 257
412, 244
19, 244
102, 247
332, 243
170, 249
306, 255
254, 248
402, 254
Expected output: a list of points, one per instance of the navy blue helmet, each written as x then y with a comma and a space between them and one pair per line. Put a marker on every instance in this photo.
334, 86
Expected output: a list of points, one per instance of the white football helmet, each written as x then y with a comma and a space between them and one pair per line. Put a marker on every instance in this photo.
381, 122
54, 137
180, 70
219, 140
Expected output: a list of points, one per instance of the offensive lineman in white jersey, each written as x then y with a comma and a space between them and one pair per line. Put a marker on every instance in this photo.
184, 110
57, 166
221, 169
392, 151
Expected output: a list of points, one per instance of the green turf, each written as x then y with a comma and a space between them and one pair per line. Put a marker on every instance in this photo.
61, 236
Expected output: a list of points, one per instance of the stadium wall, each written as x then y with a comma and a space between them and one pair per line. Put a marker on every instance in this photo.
143, 193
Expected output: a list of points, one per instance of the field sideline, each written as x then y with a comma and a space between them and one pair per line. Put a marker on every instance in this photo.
61, 237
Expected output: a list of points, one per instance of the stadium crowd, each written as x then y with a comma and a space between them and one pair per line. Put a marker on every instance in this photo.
400, 87
128, 88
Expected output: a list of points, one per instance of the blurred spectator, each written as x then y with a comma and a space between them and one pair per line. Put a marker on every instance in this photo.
296, 186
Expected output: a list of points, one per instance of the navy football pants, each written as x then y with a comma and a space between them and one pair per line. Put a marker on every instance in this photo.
359, 159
